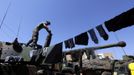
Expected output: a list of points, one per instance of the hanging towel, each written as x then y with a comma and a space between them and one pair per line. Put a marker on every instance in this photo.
54, 54
69, 43
82, 39
102, 32
121, 21
93, 36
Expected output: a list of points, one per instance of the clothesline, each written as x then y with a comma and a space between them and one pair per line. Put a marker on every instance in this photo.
121, 21
124, 20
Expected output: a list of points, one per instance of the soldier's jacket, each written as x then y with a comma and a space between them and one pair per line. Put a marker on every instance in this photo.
39, 27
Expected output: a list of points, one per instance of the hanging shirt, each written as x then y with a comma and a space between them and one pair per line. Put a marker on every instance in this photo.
121, 21
54, 54
93, 36
82, 39
69, 43
102, 32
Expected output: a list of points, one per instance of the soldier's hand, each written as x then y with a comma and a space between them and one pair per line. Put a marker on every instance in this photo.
45, 26
49, 31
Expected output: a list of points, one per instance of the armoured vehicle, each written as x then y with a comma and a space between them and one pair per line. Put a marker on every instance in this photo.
36, 64
19, 59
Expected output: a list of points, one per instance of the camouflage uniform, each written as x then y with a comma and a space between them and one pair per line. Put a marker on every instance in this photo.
36, 33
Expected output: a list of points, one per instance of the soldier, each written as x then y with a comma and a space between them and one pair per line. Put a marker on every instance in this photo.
17, 46
36, 33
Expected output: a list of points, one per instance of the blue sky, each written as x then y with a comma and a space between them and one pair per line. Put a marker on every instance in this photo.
68, 19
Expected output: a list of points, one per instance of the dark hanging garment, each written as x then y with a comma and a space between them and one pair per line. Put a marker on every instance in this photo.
54, 54
93, 36
121, 21
69, 43
82, 39
102, 32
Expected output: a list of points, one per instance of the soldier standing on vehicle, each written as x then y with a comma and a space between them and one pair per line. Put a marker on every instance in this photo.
36, 33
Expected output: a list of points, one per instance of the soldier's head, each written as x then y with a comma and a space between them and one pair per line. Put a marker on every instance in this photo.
47, 23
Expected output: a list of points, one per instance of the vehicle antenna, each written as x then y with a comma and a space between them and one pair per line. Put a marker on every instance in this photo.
5, 15
19, 28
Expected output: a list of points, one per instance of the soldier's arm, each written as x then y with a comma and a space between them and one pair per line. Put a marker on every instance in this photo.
48, 39
49, 31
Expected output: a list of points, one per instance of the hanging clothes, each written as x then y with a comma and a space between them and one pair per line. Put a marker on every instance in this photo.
93, 36
121, 21
82, 39
54, 54
69, 43
102, 32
